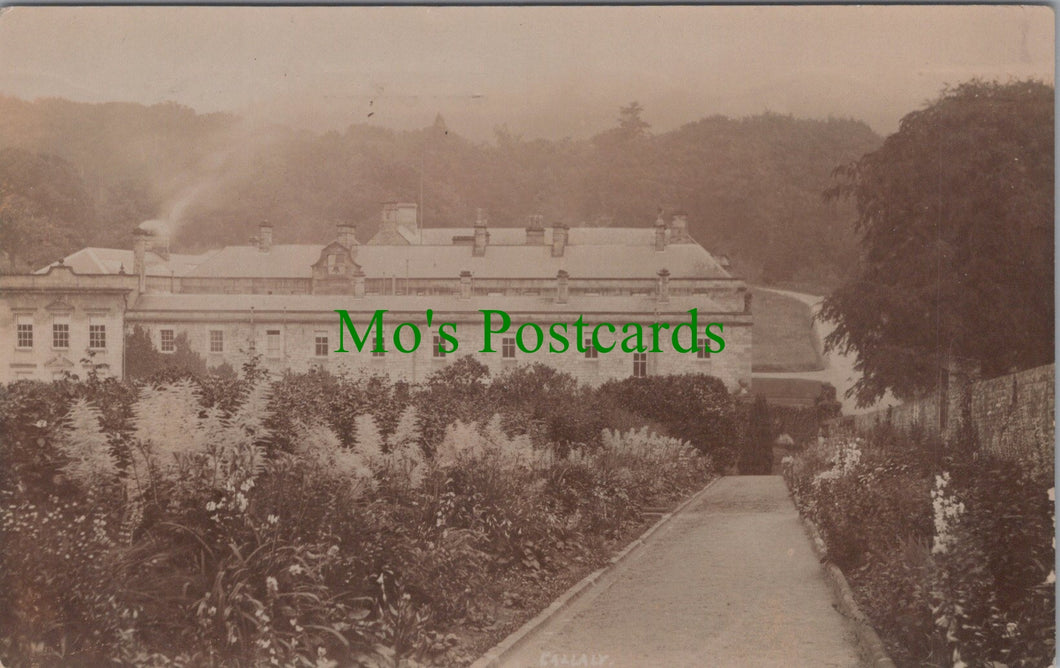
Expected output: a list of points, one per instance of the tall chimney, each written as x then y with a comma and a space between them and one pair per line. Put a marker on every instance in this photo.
664, 285
346, 235
482, 235
465, 284
559, 239
535, 231
660, 233
562, 288
139, 253
390, 214
407, 214
265, 236
679, 227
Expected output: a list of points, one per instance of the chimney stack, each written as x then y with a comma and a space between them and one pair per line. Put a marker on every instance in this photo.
265, 236
562, 288
535, 231
679, 227
465, 284
139, 253
559, 239
407, 214
346, 235
390, 214
660, 233
482, 235
664, 285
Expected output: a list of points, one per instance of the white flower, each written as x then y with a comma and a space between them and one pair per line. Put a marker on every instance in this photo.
948, 511
211, 506
273, 519
272, 585
295, 569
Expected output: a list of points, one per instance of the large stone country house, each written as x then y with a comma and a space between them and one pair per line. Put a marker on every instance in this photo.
279, 300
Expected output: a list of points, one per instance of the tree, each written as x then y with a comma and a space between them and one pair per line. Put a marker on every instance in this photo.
144, 361
630, 122
45, 211
955, 217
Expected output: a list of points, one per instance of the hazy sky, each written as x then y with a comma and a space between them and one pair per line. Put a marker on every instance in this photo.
542, 71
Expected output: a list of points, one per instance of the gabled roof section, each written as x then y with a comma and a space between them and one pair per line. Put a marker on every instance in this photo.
390, 235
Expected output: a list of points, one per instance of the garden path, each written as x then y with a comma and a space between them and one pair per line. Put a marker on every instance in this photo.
730, 581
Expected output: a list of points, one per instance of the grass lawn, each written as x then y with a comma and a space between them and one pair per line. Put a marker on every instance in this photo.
783, 336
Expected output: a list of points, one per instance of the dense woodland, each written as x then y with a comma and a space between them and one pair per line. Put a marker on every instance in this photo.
74, 174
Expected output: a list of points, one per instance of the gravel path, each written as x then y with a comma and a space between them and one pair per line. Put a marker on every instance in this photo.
732, 581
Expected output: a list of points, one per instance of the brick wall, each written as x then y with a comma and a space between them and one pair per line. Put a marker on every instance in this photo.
1013, 415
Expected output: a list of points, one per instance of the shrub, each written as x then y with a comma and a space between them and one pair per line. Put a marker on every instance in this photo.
756, 456
802, 423
691, 407
248, 521
951, 558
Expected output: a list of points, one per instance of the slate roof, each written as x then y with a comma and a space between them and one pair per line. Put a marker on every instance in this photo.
682, 261
281, 261
110, 261
590, 253
499, 261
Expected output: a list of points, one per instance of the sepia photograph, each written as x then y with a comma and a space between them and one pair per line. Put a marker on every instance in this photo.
639, 336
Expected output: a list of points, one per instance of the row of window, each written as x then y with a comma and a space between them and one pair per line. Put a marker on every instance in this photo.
322, 348
97, 335
591, 352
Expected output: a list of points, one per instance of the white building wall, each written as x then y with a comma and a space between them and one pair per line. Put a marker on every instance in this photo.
298, 349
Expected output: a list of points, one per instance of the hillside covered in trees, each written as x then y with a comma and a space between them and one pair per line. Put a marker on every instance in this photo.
74, 174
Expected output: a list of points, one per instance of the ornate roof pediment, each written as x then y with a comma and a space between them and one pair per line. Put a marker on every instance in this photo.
336, 261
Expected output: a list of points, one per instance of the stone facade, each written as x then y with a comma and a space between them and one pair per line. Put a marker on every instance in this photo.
279, 300
68, 323
294, 343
